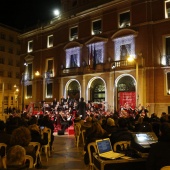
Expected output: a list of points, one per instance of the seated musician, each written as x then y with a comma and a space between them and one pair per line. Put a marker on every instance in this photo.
63, 121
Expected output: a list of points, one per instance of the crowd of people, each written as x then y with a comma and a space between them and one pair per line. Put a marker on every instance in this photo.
96, 121
20, 130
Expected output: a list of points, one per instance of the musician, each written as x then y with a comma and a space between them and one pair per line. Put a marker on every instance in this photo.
43, 106
54, 103
62, 102
69, 101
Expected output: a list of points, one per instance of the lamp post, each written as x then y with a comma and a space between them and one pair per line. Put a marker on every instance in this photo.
23, 90
133, 59
114, 90
2, 98
37, 74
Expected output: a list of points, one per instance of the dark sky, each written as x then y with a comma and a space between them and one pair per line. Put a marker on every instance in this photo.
22, 14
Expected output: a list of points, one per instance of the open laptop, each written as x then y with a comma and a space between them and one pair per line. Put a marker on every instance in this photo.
105, 150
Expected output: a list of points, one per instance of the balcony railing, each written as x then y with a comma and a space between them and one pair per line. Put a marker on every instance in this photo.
104, 67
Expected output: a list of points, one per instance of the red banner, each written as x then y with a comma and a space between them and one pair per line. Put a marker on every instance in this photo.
127, 99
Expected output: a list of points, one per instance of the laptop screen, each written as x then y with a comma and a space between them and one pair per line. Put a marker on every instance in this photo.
103, 145
145, 137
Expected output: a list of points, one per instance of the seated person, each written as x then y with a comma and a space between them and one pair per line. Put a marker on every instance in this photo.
110, 126
87, 124
63, 121
36, 134
22, 136
91, 135
4, 137
159, 154
122, 133
16, 158
47, 122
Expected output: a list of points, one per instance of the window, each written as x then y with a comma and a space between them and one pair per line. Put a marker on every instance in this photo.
73, 57
30, 46
50, 41
124, 19
49, 90
2, 35
167, 50
167, 9
12, 100
49, 72
96, 27
165, 59
1, 60
123, 47
73, 33
6, 100
168, 83
96, 53
29, 91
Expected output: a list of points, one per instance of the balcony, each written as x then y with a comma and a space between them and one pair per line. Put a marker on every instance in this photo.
105, 67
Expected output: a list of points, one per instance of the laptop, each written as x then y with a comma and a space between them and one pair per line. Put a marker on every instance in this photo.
105, 150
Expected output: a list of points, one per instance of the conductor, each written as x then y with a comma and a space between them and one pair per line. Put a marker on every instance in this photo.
81, 108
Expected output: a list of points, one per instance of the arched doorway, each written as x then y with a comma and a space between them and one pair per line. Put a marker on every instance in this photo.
126, 92
73, 89
97, 90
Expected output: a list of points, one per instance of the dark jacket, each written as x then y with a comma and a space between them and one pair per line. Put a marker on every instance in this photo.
81, 107
159, 154
122, 134
36, 137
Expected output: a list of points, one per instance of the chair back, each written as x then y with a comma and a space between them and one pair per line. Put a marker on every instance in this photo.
3, 147
83, 136
4, 162
121, 146
77, 132
47, 146
91, 147
30, 159
36, 146
27, 157
77, 129
165, 168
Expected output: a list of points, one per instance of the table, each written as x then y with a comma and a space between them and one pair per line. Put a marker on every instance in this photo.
118, 164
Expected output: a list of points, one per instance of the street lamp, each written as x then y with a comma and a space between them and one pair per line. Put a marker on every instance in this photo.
16, 91
114, 67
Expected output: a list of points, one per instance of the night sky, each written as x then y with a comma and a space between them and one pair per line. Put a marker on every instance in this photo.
22, 14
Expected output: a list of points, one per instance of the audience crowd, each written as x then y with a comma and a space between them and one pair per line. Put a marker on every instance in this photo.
97, 123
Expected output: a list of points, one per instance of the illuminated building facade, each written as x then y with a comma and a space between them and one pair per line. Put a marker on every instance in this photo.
83, 53
9, 68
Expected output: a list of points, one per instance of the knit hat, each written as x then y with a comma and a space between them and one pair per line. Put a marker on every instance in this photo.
110, 122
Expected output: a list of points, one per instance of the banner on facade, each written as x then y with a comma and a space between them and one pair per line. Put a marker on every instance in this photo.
127, 99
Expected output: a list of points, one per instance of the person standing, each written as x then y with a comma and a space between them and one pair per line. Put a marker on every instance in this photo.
81, 108
54, 103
